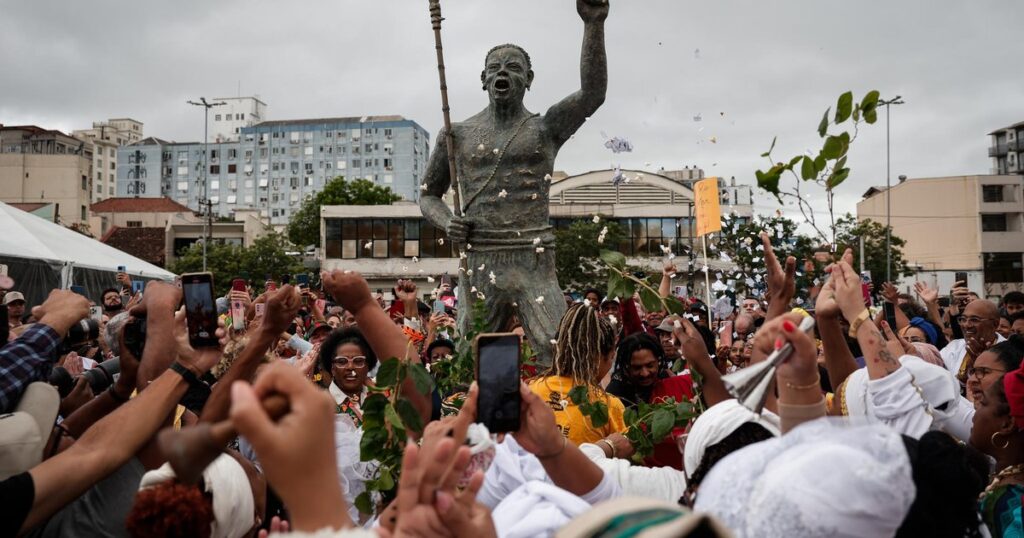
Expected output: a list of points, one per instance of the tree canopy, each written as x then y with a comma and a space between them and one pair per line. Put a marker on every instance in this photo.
266, 256
304, 226
848, 234
578, 250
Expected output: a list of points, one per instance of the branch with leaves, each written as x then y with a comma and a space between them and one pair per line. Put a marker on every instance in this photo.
828, 168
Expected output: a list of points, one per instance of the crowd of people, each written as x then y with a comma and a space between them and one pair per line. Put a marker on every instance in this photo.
910, 424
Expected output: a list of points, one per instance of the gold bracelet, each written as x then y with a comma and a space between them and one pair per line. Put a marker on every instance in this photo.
809, 386
610, 446
856, 323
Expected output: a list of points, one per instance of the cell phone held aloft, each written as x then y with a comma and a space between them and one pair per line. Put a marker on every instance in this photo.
497, 376
200, 309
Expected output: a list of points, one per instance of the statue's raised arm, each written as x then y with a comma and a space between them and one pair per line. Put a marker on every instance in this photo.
565, 117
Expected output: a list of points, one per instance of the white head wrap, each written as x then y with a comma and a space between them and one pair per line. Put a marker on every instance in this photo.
717, 423
824, 478
226, 481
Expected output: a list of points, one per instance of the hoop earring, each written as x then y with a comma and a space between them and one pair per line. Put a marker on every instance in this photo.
993, 439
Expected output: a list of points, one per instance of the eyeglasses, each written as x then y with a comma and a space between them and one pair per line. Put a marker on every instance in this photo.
973, 320
981, 372
359, 361
917, 339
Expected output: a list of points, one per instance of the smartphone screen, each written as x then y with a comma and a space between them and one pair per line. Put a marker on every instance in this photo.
497, 375
439, 306
200, 309
138, 286
79, 290
121, 269
302, 280
237, 307
890, 315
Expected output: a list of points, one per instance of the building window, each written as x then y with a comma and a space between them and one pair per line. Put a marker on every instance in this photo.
232, 198
232, 168
308, 150
1001, 267
388, 164
85, 214
85, 183
113, 165
111, 189
134, 224
215, 169
991, 193
342, 165
216, 118
182, 170
232, 153
183, 186
99, 189
215, 185
995, 222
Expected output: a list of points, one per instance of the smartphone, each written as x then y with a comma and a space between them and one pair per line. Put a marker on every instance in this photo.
138, 286
135, 336
890, 314
439, 306
960, 276
237, 307
497, 376
79, 290
200, 309
122, 269
3, 269
302, 280
259, 308
96, 313
865, 277
285, 279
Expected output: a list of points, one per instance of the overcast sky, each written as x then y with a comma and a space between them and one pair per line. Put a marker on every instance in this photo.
751, 69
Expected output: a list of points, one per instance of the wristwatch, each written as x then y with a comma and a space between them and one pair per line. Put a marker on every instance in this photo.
855, 324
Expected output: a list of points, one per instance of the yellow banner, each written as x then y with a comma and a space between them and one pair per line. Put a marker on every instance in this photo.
709, 214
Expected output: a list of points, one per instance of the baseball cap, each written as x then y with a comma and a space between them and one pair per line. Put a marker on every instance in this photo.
23, 433
13, 296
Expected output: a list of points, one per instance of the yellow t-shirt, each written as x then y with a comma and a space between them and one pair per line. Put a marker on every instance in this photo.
576, 427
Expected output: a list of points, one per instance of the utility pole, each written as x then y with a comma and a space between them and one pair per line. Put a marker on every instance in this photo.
888, 187
208, 228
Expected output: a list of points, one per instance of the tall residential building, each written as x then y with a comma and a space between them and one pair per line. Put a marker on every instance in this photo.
1007, 150
276, 165
106, 137
973, 224
237, 113
45, 166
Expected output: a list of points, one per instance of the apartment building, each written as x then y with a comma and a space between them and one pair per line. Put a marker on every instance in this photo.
106, 137
1007, 149
43, 166
228, 120
973, 224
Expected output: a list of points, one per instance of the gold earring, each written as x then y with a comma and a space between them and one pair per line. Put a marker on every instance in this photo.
993, 439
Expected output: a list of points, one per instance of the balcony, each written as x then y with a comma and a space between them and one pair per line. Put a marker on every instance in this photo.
1015, 145
996, 151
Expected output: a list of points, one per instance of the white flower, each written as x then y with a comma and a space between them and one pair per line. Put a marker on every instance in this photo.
515, 305
547, 177
563, 403
415, 259
533, 196
473, 289
495, 151
462, 255
540, 300
440, 241
481, 148
536, 240
613, 320
597, 218
469, 272
368, 245
421, 271
405, 268
665, 249
492, 277
469, 246
481, 296
423, 187
540, 250
503, 193
482, 266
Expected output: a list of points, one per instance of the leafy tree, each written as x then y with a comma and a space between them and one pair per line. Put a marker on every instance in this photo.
304, 227
740, 243
266, 256
848, 234
578, 250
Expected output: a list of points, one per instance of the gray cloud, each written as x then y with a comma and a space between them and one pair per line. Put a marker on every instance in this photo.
770, 67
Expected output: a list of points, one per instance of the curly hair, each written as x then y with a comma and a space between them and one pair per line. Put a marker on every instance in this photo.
170, 510
529, 62
348, 335
638, 342
1009, 353
583, 338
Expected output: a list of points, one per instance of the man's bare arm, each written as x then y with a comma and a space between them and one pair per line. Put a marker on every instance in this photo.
565, 117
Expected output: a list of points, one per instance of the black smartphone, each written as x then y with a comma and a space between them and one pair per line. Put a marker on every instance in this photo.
79, 290
200, 309
286, 279
960, 276
135, 336
890, 314
497, 376
302, 280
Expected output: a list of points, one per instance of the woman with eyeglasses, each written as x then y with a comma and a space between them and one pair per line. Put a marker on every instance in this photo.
992, 364
348, 357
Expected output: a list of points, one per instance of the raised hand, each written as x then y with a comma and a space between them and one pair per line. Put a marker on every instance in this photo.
202, 360
848, 293
592, 10
348, 288
976, 346
928, 295
895, 344
406, 291
61, 310
781, 283
282, 307
890, 293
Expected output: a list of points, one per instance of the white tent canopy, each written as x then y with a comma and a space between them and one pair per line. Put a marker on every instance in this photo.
24, 235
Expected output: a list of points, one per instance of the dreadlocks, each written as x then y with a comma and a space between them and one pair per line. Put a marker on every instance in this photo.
583, 338
637, 342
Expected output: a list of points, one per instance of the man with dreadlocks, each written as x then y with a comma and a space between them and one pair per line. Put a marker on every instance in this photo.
583, 355
504, 157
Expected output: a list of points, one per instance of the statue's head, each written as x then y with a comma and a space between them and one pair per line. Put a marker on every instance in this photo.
507, 74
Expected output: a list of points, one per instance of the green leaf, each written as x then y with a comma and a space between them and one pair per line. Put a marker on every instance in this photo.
386, 482
807, 169
832, 148
387, 374
844, 144
614, 259
421, 378
392, 416
819, 164
769, 180
870, 100
372, 444
837, 177
844, 107
685, 410
661, 424
675, 306
410, 416
871, 116
599, 415
823, 126
651, 300
579, 395
615, 285
630, 416
793, 161
769, 152
364, 503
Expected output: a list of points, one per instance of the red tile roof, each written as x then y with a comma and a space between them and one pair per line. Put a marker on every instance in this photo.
139, 205
143, 243
28, 207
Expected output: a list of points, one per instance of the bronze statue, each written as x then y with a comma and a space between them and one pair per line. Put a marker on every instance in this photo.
505, 156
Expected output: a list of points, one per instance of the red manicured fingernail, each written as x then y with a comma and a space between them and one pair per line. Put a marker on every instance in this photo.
788, 326
779, 343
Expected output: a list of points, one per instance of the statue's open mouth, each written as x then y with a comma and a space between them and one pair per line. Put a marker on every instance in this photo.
502, 85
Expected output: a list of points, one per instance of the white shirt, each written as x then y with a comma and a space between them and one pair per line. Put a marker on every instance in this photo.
954, 352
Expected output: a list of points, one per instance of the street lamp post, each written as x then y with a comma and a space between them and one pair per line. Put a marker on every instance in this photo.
208, 224
898, 100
